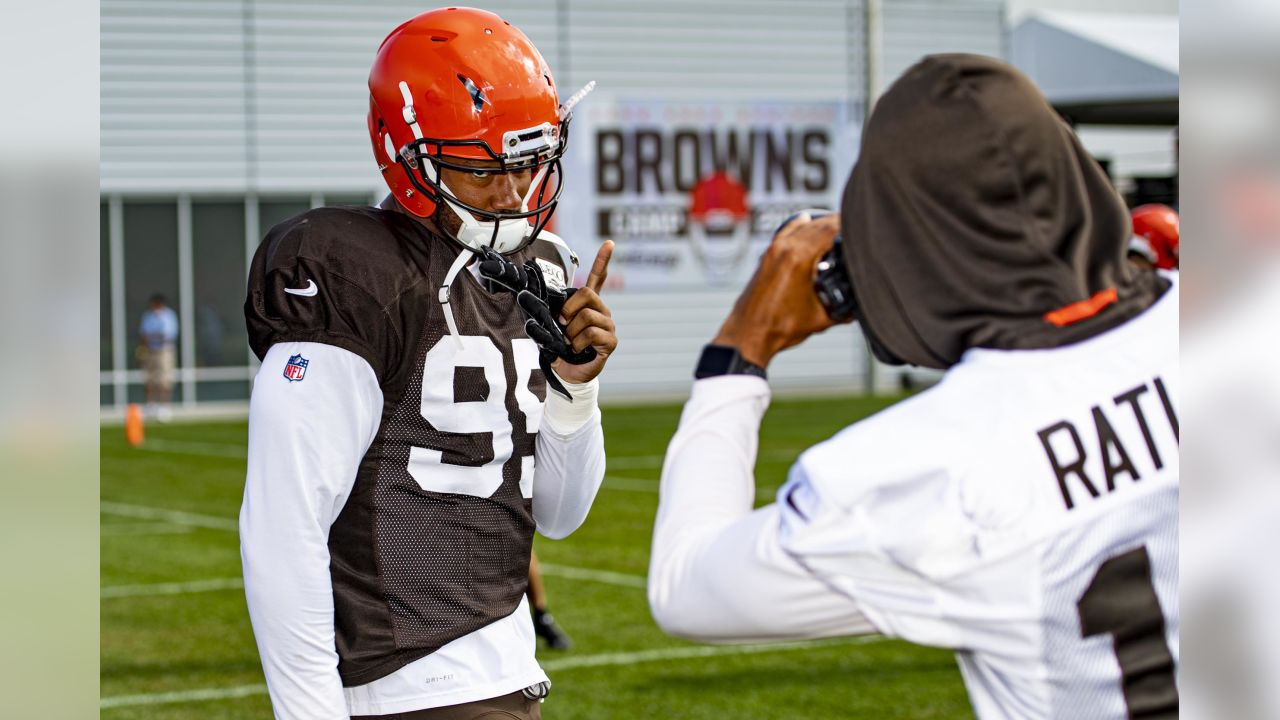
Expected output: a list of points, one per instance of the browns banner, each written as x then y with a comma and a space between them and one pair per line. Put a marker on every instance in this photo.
692, 192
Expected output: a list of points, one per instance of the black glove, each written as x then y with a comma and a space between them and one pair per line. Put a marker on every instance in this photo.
540, 305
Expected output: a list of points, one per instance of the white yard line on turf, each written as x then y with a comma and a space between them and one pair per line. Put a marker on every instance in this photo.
612, 482
569, 663
640, 462
183, 697
698, 651
176, 517
185, 447
175, 588
635, 462
216, 584
601, 576
143, 528
240, 451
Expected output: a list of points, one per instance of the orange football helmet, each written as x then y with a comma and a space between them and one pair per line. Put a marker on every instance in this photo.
1155, 235
463, 84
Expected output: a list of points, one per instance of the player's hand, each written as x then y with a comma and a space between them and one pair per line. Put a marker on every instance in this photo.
778, 308
588, 322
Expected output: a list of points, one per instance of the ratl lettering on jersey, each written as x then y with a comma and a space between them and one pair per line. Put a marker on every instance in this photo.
1116, 458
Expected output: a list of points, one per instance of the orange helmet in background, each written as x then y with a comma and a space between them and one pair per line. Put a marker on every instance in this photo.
463, 84
1155, 235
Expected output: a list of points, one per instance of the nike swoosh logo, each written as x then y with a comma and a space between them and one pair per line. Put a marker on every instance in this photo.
309, 291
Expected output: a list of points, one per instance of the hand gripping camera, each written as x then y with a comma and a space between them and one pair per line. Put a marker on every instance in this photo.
831, 281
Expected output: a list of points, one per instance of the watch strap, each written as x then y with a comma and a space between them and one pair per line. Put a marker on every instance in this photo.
725, 360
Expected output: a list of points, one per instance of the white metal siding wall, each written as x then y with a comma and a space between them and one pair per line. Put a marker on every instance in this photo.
236, 96
915, 28
308, 93
243, 95
173, 100
225, 95
717, 49
310, 64
711, 50
202, 96
911, 29
661, 334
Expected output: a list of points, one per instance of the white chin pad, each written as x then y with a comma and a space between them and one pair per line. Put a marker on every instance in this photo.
476, 234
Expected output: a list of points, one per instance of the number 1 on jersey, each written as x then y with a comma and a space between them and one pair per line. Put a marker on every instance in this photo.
1121, 601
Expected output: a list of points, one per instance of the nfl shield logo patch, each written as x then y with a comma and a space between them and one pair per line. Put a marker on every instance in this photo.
296, 368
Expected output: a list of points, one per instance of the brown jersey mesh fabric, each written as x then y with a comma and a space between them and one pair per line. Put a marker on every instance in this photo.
434, 540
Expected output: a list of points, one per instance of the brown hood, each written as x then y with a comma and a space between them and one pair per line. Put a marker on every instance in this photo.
974, 218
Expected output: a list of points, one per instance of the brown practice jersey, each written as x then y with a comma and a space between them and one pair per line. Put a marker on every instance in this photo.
434, 540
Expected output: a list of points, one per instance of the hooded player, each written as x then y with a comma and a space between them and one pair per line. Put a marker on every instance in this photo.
418, 413
1022, 512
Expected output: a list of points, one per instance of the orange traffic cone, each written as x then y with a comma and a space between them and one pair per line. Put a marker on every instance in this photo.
133, 424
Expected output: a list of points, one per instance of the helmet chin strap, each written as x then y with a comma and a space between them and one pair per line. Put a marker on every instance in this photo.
458, 264
474, 234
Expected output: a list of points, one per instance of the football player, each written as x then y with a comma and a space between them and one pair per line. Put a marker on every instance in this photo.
1024, 511
427, 395
544, 623
1155, 237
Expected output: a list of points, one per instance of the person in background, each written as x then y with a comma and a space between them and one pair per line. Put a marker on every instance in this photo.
157, 351
543, 623
1155, 237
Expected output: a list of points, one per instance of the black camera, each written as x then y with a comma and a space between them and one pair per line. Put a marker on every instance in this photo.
831, 281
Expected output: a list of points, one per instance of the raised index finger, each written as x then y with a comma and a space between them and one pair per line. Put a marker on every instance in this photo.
600, 268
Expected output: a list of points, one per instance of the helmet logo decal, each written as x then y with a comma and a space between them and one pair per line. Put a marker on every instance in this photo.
477, 97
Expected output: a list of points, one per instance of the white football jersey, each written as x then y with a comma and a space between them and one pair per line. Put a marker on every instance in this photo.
1023, 512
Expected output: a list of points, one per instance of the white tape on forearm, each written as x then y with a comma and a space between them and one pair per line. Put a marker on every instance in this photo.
564, 417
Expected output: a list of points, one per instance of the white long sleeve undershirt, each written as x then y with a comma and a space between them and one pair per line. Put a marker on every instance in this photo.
570, 452
306, 442
718, 572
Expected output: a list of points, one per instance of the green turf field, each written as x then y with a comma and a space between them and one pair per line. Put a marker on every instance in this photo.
176, 641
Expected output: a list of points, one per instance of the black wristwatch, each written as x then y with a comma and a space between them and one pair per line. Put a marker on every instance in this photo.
725, 360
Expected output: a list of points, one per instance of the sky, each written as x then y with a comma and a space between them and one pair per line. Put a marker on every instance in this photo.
1015, 9
1133, 151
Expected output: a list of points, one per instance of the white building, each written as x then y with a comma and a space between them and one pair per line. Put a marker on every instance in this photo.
223, 117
